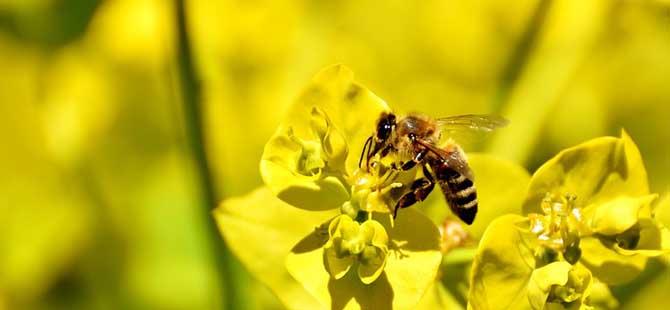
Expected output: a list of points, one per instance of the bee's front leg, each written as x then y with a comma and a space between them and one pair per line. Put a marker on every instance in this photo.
418, 158
365, 153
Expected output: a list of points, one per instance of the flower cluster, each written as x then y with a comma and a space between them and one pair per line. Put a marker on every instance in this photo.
320, 233
357, 254
589, 221
350, 242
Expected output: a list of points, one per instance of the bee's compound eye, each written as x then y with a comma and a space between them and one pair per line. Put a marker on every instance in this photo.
384, 131
385, 126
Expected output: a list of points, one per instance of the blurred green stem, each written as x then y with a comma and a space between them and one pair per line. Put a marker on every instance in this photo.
569, 30
191, 98
521, 53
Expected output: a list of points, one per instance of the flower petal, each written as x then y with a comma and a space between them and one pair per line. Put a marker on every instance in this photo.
410, 269
617, 215
654, 240
662, 210
347, 228
601, 297
255, 229
337, 266
502, 267
279, 169
372, 264
608, 265
543, 278
336, 113
379, 237
353, 108
594, 171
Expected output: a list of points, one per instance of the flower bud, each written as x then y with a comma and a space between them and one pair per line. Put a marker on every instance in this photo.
310, 160
350, 209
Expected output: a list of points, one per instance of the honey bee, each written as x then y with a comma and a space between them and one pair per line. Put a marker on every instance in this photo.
414, 140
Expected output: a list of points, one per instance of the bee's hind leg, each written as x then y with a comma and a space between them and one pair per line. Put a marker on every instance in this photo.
420, 190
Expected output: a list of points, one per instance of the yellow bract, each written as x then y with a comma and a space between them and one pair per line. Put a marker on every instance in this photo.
589, 216
506, 273
256, 230
309, 157
609, 182
542, 280
619, 214
594, 171
411, 264
502, 267
311, 163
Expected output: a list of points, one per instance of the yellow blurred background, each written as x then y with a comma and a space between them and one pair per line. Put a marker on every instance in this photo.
104, 203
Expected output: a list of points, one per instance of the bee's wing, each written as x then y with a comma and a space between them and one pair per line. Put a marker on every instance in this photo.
472, 122
469, 126
453, 156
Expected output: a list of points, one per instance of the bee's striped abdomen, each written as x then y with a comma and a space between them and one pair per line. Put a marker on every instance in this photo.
459, 191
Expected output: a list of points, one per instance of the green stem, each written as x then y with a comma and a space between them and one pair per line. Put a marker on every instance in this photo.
459, 256
191, 99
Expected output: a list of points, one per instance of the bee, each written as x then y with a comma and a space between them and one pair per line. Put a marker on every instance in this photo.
415, 140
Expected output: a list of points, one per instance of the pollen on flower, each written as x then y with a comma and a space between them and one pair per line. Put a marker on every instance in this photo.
372, 190
559, 229
559, 226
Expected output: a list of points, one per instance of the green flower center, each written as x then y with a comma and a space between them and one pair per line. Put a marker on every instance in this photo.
578, 281
351, 242
311, 160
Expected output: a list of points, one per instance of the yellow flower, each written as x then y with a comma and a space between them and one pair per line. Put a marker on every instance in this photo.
311, 164
589, 216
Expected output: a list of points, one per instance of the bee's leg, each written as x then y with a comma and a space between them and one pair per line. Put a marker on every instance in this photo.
386, 150
372, 152
420, 190
418, 158
366, 146
382, 152
427, 174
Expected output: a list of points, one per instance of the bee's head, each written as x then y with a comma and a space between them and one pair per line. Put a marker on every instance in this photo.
380, 140
385, 126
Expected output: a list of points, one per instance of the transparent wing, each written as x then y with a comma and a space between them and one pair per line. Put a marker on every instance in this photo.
472, 122
469, 128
